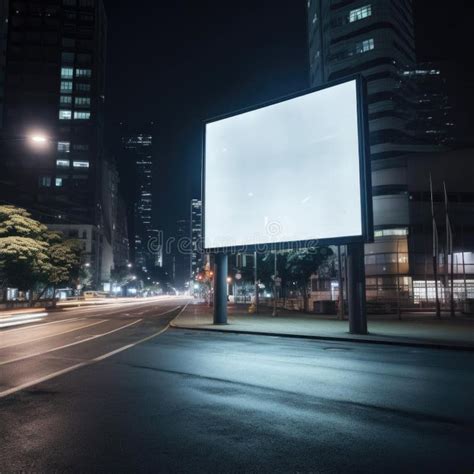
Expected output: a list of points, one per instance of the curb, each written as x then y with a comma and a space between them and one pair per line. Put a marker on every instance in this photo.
423, 345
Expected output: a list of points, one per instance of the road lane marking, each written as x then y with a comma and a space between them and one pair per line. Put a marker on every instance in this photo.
170, 311
19, 323
21, 319
96, 336
41, 325
10, 391
54, 335
18, 388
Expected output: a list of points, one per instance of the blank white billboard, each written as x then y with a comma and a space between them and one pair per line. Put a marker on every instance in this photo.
286, 172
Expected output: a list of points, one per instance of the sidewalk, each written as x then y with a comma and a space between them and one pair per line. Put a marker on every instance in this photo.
413, 330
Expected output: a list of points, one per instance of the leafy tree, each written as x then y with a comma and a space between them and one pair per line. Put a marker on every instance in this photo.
65, 263
31, 255
24, 256
303, 263
23, 262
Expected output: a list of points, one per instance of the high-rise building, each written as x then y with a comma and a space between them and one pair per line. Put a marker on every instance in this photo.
146, 238
196, 237
121, 242
425, 86
376, 39
181, 253
3, 52
52, 143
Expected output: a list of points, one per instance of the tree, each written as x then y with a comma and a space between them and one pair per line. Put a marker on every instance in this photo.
31, 255
65, 262
23, 249
303, 263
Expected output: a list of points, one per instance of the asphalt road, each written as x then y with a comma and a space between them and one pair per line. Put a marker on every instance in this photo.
188, 401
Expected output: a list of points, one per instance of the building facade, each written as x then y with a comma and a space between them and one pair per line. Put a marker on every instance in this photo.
3, 52
147, 240
181, 253
408, 116
53, 160
196, 238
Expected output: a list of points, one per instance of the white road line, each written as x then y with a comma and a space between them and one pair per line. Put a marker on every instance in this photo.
5, 393
18, 388
124, 348
22, 317
96, 336
169, 311
19, 323
54, 335
41, 325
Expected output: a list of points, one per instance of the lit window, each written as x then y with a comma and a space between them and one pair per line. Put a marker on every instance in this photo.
45, 181
58, 182
80, 164
62, 163
391, 232
82, 115
83, 73
65, 115
360, 13
66, 72
364, 46
82, 101
65, 100
66, 86
64, 147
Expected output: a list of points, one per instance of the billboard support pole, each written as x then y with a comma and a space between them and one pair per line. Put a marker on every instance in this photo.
356, 289
220, 288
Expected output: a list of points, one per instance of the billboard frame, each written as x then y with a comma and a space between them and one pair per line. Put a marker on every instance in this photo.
365, 175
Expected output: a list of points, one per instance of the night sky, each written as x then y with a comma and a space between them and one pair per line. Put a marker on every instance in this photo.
178, 63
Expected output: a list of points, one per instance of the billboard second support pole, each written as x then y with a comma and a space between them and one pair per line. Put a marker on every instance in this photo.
220, 289
356, 289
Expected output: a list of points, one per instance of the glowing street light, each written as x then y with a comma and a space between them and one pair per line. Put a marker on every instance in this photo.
38, 139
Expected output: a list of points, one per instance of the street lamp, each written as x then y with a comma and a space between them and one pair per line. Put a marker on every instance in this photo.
38, 140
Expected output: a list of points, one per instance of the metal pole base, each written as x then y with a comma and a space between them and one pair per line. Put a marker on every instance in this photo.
356, 289
220, 288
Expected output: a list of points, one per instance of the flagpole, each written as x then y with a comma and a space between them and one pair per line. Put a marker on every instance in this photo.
435, 251
449, 244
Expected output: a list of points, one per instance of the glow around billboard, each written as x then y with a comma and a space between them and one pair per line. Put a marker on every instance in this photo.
292, 171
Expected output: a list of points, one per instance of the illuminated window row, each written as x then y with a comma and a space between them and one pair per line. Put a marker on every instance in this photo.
364, 46
63, 163
68, 72
360, 13
78, 101
65, 147
68, 115
67, 87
